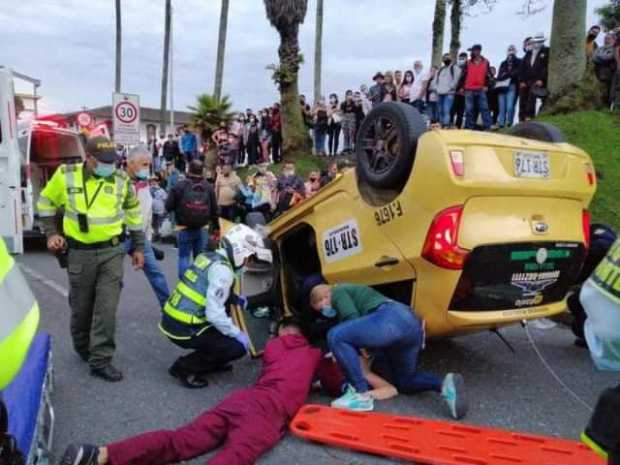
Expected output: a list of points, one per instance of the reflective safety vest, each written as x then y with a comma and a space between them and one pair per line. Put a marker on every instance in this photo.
186, 304
606, 276
19, 317
105, 202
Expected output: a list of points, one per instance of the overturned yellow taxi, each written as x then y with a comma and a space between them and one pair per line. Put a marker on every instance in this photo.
473, 230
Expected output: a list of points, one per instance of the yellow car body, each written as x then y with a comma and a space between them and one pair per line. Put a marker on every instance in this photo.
529, 231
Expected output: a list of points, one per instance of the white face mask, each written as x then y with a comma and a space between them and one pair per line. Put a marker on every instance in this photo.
538, 45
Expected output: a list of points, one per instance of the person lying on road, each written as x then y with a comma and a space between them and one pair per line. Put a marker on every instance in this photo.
392, 332
246, 424
333, 381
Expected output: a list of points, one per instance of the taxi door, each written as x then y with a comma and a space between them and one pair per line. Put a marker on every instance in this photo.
352, 248
11, 226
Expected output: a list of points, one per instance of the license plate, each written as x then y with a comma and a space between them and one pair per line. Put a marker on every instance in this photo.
532, 165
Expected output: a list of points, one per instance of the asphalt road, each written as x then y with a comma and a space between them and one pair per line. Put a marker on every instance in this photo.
505, 390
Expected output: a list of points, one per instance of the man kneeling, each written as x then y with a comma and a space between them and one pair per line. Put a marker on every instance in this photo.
246, 424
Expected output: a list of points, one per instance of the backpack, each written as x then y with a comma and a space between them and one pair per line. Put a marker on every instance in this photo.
194, 209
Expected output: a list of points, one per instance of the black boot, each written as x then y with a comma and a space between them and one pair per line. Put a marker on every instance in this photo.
603, 431
107, 373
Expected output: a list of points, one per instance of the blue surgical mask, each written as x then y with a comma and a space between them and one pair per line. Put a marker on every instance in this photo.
329, 312
104, 170
143, 174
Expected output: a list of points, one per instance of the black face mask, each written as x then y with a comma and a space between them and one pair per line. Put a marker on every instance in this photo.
447, 62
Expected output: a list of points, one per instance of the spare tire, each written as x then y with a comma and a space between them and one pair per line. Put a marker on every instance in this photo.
536, 130
386, 144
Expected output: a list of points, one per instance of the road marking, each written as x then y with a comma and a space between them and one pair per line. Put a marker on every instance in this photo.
48, 282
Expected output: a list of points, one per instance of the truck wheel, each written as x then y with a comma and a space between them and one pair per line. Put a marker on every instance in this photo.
386, 144
536, 130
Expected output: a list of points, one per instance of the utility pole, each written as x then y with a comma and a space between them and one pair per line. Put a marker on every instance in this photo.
171, 68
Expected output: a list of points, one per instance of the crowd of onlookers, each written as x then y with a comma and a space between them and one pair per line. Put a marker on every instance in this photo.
468, 92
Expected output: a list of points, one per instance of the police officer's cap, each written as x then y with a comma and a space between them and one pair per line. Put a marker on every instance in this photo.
102, 148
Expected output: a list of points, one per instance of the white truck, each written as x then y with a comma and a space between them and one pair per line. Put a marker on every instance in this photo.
30, 152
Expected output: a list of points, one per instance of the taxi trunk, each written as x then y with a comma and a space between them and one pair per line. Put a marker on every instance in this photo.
511, 234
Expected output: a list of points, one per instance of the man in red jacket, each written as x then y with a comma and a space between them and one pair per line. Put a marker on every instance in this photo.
476, 84
246, 424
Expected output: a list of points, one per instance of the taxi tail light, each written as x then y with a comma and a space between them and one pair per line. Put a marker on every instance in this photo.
457, 160
590, 174
585, 221
441, 247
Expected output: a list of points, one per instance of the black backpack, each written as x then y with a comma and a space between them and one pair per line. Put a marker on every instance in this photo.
194, 209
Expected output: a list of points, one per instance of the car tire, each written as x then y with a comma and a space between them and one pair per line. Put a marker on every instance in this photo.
253, 219
398, 126
536, 130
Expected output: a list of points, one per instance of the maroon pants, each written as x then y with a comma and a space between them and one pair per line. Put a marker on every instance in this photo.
245, 425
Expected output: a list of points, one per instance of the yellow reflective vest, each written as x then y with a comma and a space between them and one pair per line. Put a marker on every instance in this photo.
19, 317
606, 276
107, 203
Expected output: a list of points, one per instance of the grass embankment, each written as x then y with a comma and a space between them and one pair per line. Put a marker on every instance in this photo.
598, 133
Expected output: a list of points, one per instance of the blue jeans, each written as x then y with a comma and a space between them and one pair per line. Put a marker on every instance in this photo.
471, 98
319, 140
191, 243
432, 110
396, 333
445, 110
152, 271
507, 102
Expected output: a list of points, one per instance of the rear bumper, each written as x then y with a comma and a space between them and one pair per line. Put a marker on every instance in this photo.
472, 320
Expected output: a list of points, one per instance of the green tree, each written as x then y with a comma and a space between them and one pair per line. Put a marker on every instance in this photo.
117, 80
610, 15
439, 23
221, 49
209, 112
286, 16
318, 50
164, 71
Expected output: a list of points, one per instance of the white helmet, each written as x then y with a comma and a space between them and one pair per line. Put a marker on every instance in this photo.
241, 242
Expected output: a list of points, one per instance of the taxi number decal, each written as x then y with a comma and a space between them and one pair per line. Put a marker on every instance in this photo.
342, 241
388, 213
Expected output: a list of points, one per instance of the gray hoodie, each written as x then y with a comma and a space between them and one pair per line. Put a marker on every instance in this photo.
447, 79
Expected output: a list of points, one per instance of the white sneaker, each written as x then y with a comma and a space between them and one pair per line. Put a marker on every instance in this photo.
353, 400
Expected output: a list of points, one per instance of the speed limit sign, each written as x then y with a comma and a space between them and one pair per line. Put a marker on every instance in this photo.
126, 118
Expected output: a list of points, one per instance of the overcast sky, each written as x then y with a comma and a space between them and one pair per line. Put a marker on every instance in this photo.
70, 44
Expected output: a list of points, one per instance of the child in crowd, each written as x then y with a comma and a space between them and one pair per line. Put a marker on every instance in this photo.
245, 425
159, 205
392, 332
313, 184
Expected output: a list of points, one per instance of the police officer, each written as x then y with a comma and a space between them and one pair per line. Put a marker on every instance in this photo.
96, 198
195, 315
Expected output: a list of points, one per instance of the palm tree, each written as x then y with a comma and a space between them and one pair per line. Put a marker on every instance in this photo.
117, 81
456, 15
164, 71
438, 31
209, 112
286, 16
318, 50
221, 49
